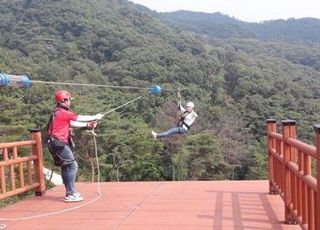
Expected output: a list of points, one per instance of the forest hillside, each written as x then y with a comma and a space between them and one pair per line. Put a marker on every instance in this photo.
237, 74
222, 26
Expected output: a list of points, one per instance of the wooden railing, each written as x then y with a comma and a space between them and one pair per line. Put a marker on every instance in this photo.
290, 173
20, 174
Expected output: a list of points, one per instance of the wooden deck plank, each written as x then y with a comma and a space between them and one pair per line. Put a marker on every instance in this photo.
186, 205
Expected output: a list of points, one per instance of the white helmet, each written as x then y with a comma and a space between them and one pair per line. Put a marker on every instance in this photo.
190, 104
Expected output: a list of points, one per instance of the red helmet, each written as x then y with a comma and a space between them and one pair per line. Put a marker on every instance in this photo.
61, 95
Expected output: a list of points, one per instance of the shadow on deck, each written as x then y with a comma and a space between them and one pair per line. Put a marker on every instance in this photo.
186, 205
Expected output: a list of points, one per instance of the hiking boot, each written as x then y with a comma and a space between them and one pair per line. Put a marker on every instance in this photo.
75, 197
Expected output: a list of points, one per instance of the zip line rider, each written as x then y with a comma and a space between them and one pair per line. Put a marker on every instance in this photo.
187, 118
60, 143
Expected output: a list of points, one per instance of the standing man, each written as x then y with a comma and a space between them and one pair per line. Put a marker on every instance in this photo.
60, 143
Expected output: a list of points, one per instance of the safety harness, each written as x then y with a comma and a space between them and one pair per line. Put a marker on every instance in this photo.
182, 122
56, 146
183, 115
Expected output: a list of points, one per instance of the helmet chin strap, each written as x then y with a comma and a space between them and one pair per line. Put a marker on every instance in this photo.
59, 104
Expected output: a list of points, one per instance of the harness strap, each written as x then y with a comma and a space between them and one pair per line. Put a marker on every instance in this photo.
185, 124
49, 126
55, 146
182, 122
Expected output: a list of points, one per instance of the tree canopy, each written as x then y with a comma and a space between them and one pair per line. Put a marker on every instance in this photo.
237, 74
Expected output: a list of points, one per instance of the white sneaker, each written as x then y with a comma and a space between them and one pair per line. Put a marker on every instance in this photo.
75, 197
154, 134
76, 194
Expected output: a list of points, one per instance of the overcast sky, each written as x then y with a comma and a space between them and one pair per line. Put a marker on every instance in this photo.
245, 10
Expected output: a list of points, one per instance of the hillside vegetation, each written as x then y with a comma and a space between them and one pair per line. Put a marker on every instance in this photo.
222, 26
237, 79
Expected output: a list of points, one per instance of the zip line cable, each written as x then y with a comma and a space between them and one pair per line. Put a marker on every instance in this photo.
23, 81
84, 84
98, 85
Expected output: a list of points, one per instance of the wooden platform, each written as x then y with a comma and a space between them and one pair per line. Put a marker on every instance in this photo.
154, 205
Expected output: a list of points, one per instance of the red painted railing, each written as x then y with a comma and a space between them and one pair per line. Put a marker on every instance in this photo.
20, 174
290, 173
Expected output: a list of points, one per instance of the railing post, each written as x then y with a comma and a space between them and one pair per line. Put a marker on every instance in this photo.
271, 144
317, 195
288, 131
38, 164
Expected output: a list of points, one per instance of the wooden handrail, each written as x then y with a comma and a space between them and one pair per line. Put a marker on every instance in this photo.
317, 195
17, 144
29, 175
305, 148
17, 161
291, 158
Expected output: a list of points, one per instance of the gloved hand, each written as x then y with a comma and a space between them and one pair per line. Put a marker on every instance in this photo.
99, 116
91, 124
